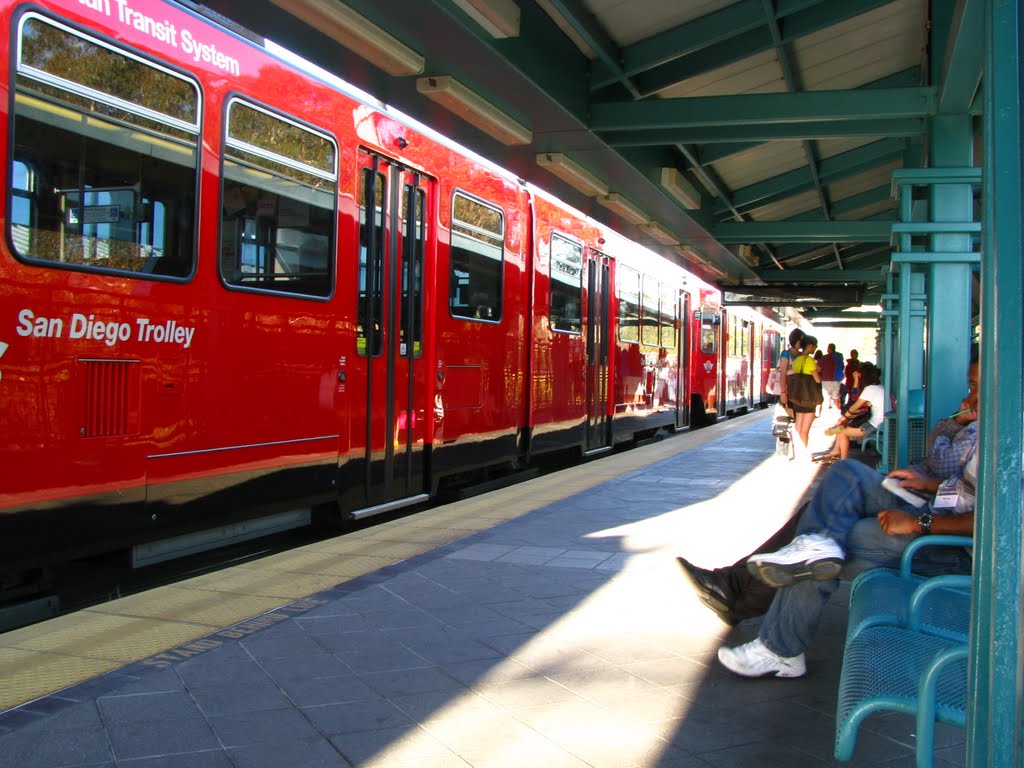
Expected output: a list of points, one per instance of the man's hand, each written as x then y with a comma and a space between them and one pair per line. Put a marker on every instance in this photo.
896, 521
910, 479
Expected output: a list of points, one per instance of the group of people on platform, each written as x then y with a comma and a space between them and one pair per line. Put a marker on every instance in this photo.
850, 524
852, 387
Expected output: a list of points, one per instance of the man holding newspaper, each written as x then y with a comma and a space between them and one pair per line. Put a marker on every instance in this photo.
858, 519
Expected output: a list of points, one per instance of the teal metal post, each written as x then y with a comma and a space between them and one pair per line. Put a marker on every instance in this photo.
949, 288
996, 687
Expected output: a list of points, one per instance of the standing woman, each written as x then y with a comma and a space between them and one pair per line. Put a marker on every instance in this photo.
805, 365
796, 340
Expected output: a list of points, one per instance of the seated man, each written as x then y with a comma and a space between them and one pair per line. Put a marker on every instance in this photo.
851, 524
735, 594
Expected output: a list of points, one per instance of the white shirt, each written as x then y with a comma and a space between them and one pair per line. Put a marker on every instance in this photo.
875, 395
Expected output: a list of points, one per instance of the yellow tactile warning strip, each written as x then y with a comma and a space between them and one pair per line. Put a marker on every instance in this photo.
47, 657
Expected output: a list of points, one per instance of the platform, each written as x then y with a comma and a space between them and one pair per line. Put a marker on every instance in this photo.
545, 624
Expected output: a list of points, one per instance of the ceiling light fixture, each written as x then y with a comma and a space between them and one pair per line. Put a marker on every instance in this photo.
698, 260
500, 18
356, 33
660, 232
680, 188
616, 203
473, 108
572, 173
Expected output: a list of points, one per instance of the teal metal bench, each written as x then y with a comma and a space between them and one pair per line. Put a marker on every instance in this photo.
896, 669
906, 650
886, 596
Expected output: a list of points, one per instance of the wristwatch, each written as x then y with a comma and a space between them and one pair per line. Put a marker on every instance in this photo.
924, 522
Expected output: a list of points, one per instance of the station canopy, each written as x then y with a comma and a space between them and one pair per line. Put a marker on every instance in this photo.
752, 141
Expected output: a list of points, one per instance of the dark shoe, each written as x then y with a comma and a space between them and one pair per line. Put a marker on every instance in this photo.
710, 588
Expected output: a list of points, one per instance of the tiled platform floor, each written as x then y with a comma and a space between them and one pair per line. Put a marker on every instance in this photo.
563, 638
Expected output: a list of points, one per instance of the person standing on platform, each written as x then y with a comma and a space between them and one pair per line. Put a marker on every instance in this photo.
827, 365
805, 365
852, 386
796, 342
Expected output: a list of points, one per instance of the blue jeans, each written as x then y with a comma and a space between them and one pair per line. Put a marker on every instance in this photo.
845, 507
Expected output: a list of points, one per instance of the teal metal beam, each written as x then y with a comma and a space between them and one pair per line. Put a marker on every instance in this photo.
708, 30
803, 232
821, 276
908, 177
769, 108
964, 59
846, 323
904, 79
926, 257
755, 133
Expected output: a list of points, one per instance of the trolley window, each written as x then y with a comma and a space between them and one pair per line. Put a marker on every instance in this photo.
413, 222
628, 281
669, 322
566, 285
370, 314
105, 156
277, 204
651, 319
477, 259
708, 322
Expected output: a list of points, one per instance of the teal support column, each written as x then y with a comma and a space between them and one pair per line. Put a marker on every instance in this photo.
949, 285
996, 685
910, 346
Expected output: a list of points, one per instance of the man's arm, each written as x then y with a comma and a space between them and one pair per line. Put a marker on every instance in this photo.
896, 521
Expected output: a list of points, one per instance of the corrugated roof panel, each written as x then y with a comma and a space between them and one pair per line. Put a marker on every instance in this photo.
831, 147
755, 74
629, 21
861, 182
868, 211
795, 205
863, 49
760, 163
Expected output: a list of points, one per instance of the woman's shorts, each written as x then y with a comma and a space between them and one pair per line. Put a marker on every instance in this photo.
801, 409
867, 428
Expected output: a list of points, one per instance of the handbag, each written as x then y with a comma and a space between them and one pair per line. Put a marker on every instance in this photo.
774, 384
803, 390
860, 418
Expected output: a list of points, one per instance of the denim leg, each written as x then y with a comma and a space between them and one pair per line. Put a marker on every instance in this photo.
849, 491
871, 547
796, 611
794, 615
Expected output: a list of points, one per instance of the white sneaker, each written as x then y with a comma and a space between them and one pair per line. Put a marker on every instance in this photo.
755, 660
811, 556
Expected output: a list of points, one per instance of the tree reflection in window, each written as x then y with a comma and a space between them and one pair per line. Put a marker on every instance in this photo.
277, 204
629, 305
566, 285
477, 259
105, 162
651, 334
